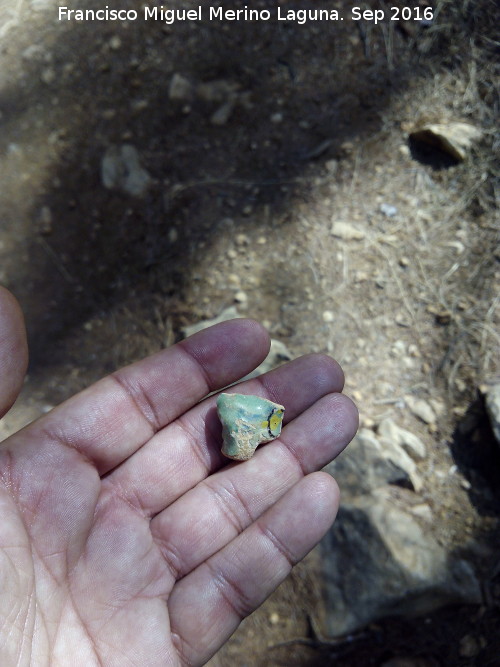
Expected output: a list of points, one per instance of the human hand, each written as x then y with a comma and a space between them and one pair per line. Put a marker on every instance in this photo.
125, 537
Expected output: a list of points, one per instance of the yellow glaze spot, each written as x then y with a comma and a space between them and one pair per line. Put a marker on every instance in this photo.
275, 420
263, 424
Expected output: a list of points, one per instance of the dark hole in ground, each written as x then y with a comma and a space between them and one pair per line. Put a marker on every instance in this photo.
431, 156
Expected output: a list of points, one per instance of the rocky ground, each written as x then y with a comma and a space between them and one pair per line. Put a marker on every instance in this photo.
154, 175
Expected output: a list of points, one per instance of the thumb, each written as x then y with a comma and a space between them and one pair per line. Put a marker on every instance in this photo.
13, 350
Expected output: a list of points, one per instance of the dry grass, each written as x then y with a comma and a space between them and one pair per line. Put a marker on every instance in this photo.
468, 289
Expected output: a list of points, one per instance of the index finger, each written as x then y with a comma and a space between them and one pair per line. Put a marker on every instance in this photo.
113, 418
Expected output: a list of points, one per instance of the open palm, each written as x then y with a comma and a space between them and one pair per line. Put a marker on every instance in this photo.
125, 537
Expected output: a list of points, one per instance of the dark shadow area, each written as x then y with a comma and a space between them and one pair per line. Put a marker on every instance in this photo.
299, 94
431, 156
436, 640
477, 456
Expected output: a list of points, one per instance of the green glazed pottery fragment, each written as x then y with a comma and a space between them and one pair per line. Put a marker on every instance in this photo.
247, 421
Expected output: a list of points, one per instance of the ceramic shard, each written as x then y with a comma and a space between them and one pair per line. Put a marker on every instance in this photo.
247, 421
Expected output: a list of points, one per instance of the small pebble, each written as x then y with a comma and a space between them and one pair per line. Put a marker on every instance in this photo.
398, 348
388, 210
45, 220
115, 42
469, 646
139, 105
331, 166
222, 114
402, 320
48, 75
242, 239
420, 409
180, 88
241, 297
346, 231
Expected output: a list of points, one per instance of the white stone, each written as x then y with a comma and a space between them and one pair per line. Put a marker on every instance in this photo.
121, 169
347, 231
421, 409
388, 210
388, 430
241, 296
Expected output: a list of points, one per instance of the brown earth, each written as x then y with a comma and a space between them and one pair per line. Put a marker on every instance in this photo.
242, 212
